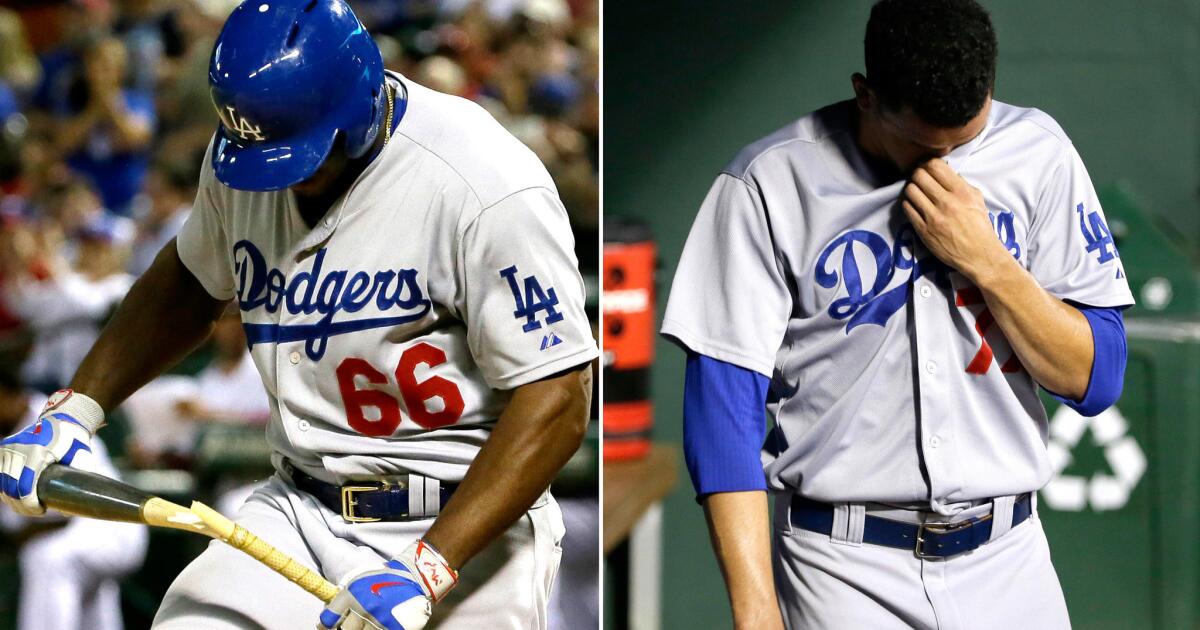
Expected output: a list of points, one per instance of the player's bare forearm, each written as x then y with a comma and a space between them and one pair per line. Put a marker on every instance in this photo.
1052, 338
739, 527
542, 426
165, 316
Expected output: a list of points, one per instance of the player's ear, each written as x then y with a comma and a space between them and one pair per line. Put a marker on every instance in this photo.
863, 95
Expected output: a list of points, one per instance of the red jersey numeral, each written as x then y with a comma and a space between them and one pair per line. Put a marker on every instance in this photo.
984, 357
416, 394
357, 400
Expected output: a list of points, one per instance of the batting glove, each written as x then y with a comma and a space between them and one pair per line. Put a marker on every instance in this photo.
399, 596
64, 428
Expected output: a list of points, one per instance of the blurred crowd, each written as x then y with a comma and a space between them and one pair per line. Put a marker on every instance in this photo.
105, 117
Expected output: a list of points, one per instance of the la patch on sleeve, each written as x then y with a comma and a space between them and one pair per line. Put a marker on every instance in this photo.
1096, 235
532, 300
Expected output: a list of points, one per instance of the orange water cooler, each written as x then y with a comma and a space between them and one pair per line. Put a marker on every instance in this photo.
630, 258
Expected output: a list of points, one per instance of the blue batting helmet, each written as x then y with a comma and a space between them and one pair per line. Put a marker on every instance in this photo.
288, 76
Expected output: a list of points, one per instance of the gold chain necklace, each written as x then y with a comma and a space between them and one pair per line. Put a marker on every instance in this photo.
387, 130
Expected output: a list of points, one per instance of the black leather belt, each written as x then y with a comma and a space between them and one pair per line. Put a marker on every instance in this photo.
392, 499
927, 540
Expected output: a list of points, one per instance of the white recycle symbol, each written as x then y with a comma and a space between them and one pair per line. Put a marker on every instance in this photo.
1070, 493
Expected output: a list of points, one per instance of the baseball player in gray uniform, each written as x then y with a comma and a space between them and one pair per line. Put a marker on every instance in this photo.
405, 275
892, 278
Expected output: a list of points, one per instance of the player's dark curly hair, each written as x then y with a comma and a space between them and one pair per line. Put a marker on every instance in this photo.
936, 56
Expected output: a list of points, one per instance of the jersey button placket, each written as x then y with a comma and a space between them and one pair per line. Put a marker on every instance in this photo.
286, 359
930, 326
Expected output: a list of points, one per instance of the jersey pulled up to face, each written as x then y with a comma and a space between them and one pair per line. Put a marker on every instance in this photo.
802, 266
390, 335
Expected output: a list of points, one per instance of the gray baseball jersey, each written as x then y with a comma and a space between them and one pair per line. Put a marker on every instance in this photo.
802, 266
390, 335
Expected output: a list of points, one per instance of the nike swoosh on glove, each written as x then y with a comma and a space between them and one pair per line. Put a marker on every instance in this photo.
398, 596
64, 428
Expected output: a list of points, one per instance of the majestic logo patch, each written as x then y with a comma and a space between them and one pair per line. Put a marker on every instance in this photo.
328, 292
549, 341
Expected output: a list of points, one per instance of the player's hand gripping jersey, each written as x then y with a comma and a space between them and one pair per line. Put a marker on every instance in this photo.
803, 267
390, 334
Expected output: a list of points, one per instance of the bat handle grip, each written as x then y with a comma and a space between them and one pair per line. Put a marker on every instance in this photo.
304, 577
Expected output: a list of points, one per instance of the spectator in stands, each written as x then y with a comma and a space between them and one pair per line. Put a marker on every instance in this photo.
229, 389
18, 405
65, 306
170, 190
147, 30
184, 104
15, 338
37, 171
168, 415
19, 69
68, 206
70, 567
81, 22
443, 74
107, 133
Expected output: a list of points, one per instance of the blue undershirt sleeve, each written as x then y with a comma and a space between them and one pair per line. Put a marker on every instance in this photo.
724, 425
1108, 364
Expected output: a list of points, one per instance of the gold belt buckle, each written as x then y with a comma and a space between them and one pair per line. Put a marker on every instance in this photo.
349, 502
941, 528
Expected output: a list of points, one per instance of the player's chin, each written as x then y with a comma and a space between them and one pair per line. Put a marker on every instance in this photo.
320, 180
314, 185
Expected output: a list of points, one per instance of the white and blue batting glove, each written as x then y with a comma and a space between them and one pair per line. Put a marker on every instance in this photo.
65, 427
397, 596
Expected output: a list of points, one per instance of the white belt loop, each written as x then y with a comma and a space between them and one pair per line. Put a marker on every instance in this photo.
848, 522
433, 497
416, 496
1002, 516
856, 522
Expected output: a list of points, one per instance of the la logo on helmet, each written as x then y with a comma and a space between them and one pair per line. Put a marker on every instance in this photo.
241, 126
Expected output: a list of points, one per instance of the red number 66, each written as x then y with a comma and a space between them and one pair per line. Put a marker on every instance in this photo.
414, 393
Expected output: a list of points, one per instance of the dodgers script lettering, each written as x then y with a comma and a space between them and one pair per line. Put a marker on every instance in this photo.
330, 293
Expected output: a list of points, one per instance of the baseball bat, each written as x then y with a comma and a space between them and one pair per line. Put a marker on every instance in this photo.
83, 493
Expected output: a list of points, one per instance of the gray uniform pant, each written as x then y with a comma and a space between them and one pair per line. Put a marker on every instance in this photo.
825, 581
506, 587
